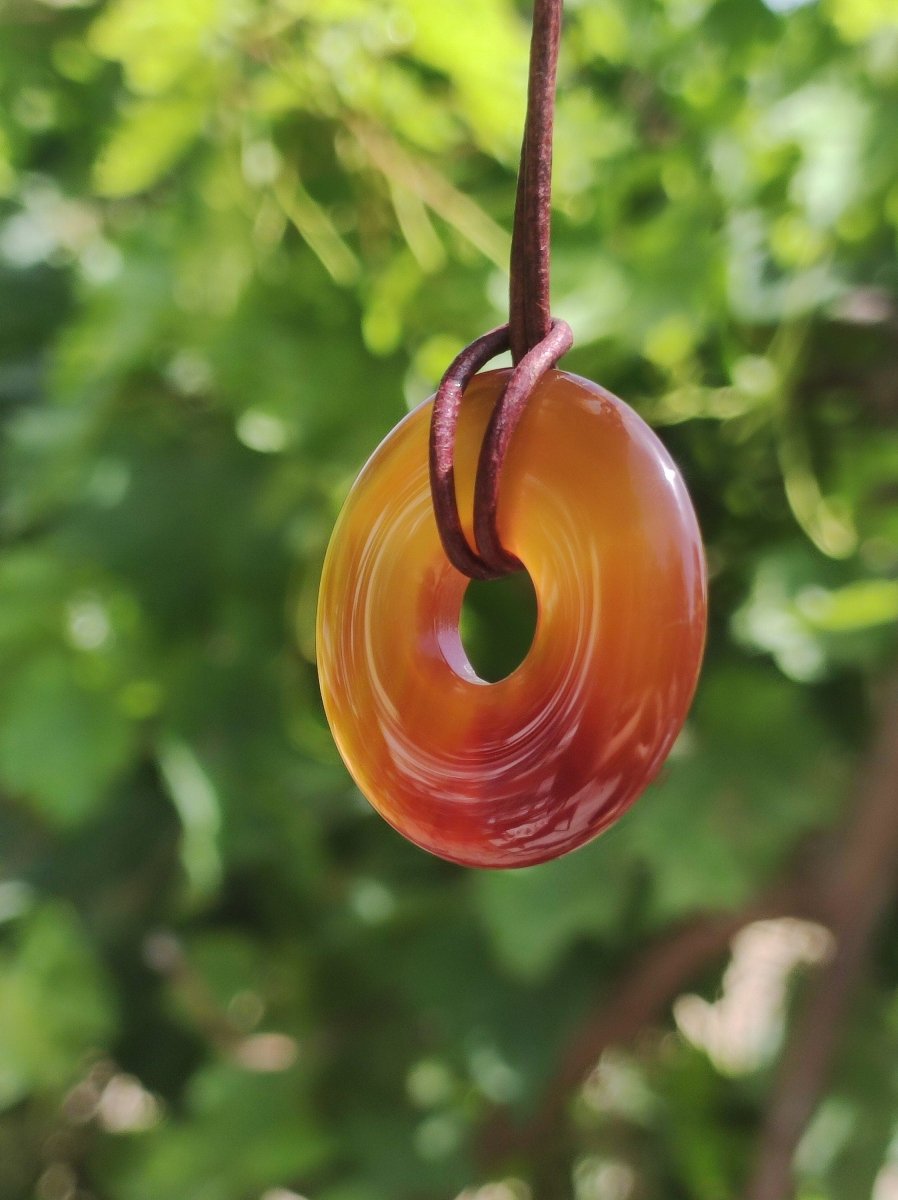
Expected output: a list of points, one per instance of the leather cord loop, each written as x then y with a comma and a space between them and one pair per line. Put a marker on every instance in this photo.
535, 340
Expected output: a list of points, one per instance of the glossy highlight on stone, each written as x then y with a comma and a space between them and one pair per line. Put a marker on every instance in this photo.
514, 773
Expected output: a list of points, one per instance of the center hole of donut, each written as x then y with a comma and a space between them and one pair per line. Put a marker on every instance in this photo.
498, 623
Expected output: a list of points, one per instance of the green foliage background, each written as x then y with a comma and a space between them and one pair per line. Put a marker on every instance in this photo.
237, 239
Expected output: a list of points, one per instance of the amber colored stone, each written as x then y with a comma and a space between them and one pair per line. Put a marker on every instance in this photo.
516, 772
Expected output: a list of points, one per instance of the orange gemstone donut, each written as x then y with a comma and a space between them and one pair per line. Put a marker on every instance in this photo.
513, 773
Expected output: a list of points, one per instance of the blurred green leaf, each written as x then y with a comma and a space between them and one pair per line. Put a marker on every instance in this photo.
722, 815
56, 1007
150, 138
855, 606
160, 43
535, 915
61, 744
241, 1133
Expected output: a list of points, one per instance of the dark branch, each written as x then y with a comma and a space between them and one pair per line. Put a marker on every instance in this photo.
861, 884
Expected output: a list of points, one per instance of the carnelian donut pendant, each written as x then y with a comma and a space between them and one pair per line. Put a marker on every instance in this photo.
512, 773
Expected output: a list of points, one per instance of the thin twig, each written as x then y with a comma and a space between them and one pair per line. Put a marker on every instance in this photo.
432, 188
641, 998
861, 886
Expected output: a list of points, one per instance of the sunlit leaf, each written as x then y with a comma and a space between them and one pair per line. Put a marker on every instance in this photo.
151, 137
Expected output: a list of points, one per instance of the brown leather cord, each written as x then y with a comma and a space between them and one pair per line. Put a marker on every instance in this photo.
530, 317
535, 340
443, 424
507, 413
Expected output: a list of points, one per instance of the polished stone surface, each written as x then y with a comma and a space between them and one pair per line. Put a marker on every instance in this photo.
516, 772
